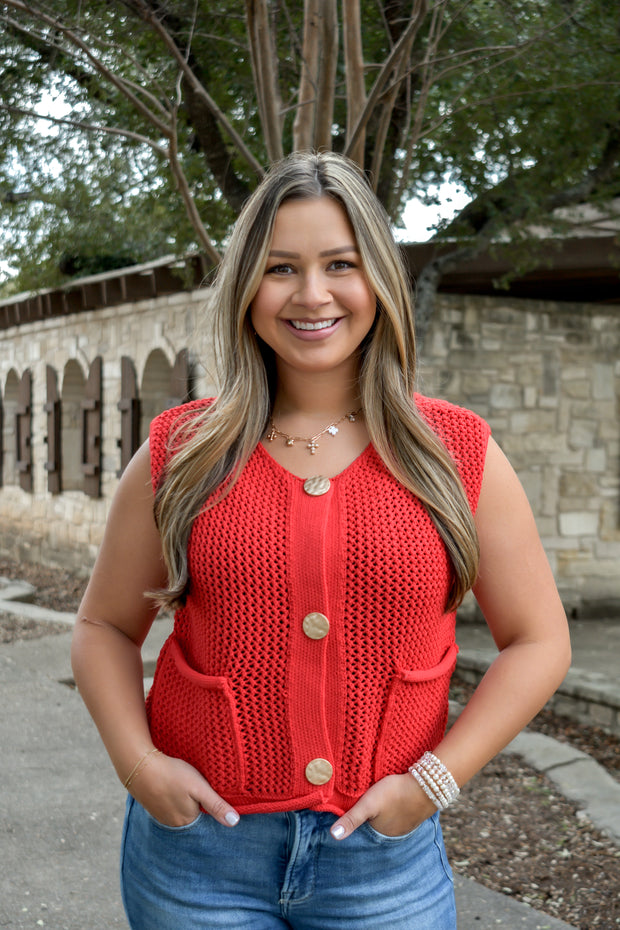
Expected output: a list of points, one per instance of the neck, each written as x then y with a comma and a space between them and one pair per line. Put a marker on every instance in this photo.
322, 395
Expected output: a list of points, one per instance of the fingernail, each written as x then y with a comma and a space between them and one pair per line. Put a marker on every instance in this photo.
338, 832
232, 818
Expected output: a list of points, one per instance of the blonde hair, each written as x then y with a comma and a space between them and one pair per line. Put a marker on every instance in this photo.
212, 449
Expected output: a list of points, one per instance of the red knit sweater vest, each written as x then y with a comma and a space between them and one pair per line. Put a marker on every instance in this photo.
313, 654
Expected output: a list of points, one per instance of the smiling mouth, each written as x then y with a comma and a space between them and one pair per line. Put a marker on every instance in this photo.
320, 324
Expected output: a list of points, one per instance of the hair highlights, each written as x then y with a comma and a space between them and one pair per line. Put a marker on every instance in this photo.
217, 442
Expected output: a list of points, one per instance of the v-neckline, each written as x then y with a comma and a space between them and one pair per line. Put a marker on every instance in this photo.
281, 468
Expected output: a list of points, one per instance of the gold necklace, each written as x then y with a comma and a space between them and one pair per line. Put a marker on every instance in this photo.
310, 441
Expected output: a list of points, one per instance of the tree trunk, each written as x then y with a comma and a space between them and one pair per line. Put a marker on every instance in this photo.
354, 70
303, 127
264, 68
328, 66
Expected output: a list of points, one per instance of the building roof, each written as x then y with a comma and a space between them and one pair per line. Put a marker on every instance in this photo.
581, 270
138, 282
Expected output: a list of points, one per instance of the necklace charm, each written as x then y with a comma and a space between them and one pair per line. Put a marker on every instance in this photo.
311, 442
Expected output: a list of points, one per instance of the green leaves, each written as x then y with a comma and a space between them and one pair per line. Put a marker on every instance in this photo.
157, 121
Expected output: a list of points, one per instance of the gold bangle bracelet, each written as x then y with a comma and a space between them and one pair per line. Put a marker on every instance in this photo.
137, 767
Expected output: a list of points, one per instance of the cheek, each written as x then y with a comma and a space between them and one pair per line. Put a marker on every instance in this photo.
368, 305
256, 312
261, 314
263, 304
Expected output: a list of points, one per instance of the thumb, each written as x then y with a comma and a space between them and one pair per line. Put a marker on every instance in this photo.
350, 821
216, 806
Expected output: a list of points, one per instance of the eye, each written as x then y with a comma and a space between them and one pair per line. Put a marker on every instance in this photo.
279, 270
341, 264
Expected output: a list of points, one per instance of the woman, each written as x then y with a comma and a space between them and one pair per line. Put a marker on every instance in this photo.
315, 527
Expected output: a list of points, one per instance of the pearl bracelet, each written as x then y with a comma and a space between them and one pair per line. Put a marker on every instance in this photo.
435, 780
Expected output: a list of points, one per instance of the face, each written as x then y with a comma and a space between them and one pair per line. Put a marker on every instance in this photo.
314, 305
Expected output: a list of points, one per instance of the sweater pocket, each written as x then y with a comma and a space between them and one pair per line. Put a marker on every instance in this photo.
416, 715
194, 717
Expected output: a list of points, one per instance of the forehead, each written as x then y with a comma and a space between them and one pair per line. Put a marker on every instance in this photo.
305, 220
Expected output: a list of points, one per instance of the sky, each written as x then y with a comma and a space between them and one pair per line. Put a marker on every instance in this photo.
418, 217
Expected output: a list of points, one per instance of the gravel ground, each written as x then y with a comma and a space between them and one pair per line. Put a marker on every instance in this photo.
510, 830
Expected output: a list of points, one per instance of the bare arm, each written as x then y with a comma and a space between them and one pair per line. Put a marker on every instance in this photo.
518, 597
112, 623
115, 616
517, 594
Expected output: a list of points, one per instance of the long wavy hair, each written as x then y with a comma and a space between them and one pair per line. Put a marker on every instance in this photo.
212, 447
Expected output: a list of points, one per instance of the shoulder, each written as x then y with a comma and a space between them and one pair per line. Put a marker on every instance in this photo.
450, 421
169, 424
465, 435
184, 413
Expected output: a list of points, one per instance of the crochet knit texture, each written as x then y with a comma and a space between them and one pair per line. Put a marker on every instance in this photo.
245, 695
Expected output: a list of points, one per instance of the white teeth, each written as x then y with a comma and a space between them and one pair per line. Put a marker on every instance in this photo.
322, 324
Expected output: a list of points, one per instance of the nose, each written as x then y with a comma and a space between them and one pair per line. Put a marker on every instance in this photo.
312, 292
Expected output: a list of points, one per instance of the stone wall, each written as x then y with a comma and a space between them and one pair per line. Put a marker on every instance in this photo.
547, 378
545, 375
66, 529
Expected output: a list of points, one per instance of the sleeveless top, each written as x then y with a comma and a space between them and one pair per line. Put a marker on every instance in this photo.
313, 653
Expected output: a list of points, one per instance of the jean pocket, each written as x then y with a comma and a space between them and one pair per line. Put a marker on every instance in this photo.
168, 828
378, 837
415, 716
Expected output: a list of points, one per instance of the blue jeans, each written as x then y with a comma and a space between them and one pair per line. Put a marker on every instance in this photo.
282, 870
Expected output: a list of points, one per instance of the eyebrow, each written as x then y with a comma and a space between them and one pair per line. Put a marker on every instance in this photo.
280, 253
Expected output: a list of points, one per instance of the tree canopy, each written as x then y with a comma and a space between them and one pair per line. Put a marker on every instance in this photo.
130, 129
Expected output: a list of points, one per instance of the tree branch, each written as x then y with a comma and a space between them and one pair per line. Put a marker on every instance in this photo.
380, 81
96, 62
389, 99
56, 58
217, 154
148, 15
602, 173
207, 130
14, 197
497, 208
87, 127
426, 82
190, 203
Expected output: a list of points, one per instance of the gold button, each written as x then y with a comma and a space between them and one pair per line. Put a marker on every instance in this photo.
319, 771
316, 625
317, 485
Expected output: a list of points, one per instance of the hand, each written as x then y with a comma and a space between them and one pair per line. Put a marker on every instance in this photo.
394, 806
174, 792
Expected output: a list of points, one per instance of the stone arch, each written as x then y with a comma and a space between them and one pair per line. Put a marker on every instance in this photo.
9, 437
155, 390
73, 386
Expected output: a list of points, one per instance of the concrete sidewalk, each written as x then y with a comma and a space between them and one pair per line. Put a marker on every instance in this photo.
61, 806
